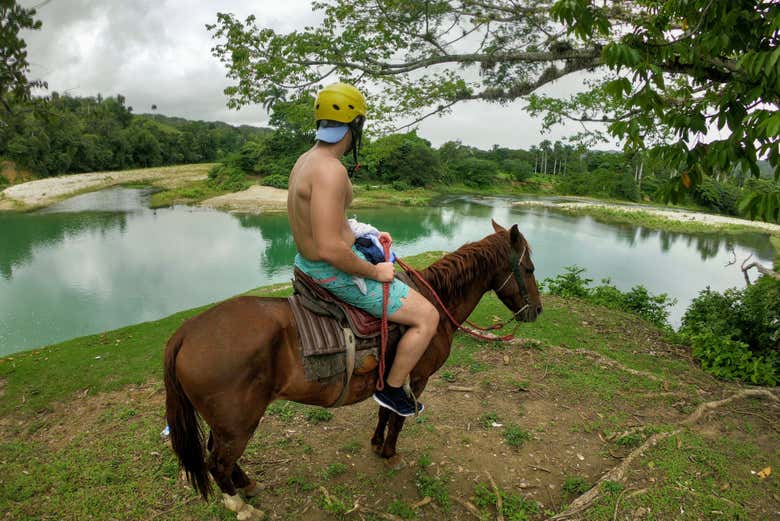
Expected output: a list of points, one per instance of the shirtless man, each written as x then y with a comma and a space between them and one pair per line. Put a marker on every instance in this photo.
320, 191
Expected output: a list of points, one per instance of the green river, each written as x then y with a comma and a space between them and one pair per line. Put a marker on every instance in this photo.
104, 260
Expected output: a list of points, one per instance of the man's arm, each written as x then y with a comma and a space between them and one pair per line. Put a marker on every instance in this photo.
328, 197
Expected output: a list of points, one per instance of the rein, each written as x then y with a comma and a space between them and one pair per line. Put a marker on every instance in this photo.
493, 338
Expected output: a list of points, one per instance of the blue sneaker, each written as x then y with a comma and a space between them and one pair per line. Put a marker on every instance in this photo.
395, 399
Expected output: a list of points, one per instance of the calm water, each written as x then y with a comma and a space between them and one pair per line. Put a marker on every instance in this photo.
103, 260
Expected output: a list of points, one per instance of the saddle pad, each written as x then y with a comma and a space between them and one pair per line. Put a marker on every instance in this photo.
317, 334
362, 324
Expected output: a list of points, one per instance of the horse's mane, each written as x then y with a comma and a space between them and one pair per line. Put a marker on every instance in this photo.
454, 272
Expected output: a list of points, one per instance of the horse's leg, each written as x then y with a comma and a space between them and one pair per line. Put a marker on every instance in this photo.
388, 449
249, 487
396, 424
227, 448
379, 434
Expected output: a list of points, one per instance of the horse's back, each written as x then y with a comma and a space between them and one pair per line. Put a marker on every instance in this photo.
231, 343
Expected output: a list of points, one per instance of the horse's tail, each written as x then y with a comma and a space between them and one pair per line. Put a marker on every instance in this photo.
186, 434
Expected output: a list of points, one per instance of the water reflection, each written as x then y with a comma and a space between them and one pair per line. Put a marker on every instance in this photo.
20, 235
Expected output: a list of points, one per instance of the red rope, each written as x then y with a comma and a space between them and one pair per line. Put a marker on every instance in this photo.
466, 330
380, 384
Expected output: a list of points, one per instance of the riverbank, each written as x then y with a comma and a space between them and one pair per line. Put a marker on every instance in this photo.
677, 220
584, 393
45, 192
187, 185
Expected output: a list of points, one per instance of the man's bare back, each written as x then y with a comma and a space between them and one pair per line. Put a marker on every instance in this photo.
319, 193
310, 171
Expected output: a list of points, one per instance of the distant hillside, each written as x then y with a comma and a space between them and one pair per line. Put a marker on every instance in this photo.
177, 122
65, 134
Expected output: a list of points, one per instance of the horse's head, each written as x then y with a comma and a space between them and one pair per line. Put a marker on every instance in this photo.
515, 284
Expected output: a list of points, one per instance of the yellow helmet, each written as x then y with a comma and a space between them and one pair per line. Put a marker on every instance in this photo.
340, 102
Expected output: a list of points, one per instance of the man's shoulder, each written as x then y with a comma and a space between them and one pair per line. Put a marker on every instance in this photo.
328, 170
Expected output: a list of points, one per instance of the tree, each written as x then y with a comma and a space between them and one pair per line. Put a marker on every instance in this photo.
14, 66
671, 69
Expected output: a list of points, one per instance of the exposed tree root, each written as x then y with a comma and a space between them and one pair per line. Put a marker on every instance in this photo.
618, 473
708, 406
604, 360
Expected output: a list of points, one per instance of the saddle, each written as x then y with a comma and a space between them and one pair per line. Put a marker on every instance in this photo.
336, 337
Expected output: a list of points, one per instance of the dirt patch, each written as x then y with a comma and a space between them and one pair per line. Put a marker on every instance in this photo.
255, 199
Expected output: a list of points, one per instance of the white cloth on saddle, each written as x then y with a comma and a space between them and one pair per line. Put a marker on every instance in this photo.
360, 229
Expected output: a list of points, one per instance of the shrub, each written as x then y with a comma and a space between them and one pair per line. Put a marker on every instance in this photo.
735, 335
401, 185
638, 300
571, 283
475, 172
720, 197
731, 359
222, 177
276, 181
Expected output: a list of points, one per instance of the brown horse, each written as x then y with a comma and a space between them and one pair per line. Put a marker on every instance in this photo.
231, 361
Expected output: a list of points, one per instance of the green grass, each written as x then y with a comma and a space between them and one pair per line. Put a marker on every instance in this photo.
575, 486
514, 507
194, 192
700, 473
118, 453
318, 415
104, 362
334, 470
401, 509
516, 436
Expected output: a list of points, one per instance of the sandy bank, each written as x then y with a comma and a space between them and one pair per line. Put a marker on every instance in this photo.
681, 216
44, 192
255, 199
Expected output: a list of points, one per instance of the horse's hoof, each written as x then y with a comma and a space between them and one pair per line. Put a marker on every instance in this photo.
377, 449
250, 513
395, 462
253, 489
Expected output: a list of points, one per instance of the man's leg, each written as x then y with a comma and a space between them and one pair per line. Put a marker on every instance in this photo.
422, 317
423, 320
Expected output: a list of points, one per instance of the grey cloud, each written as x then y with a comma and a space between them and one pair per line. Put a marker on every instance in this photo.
159, 52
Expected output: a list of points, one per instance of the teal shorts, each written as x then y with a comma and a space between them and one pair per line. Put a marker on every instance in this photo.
343, 287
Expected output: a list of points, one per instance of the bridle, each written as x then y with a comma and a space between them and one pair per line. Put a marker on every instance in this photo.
516, 266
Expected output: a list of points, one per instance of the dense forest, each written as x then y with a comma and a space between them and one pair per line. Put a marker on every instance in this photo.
406, 160
68, 134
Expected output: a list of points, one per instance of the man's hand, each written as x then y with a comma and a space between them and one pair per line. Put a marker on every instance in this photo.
384, 272
386, 235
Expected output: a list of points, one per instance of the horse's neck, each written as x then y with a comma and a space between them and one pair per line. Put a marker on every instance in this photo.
460, 284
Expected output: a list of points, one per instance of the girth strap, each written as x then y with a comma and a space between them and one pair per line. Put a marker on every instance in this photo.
349, 338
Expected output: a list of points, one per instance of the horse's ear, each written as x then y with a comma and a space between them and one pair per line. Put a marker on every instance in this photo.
497, 227
514, 234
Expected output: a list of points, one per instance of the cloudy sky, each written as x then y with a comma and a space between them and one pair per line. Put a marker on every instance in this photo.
159, 52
